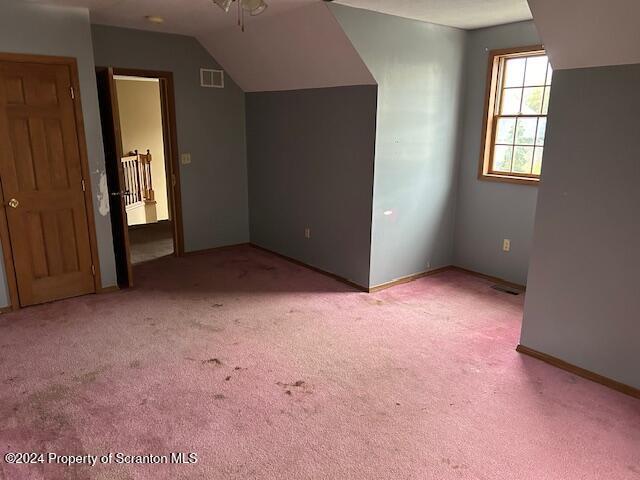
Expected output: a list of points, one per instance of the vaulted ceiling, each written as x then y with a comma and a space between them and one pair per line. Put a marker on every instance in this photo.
589, 33
467, 14
299, 44
294, 44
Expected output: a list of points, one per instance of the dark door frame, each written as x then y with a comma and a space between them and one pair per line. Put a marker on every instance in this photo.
5, 239
112, 141
170, 139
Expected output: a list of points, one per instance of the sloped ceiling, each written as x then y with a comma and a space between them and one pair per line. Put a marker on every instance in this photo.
589, 33
467, 14
303, 47
295, 44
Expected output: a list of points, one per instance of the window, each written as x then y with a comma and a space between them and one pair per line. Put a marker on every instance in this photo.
516, 115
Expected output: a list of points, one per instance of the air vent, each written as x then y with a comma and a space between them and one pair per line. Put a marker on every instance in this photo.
211, 78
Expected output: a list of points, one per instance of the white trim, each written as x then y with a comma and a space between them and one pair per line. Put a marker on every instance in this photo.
135, 79
212, 71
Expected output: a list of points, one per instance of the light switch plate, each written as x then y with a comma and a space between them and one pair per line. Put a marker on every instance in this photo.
185, 158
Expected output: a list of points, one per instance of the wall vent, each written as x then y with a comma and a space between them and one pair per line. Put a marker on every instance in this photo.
211, 78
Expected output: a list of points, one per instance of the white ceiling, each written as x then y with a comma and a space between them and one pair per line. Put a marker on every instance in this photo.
295, 44
589, 33
188, 17
467, 14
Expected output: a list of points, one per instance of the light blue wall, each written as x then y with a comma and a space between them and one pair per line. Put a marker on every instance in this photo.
311, 165
583, 296
210, 121
44, 30
419, 70
210, 126
488, 212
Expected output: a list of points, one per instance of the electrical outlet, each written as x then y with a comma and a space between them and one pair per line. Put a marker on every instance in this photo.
185, 158
307, 233
506, 245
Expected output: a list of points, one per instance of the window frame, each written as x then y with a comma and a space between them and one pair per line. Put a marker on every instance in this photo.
493, 86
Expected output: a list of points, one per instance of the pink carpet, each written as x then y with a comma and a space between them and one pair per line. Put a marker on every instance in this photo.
267, 370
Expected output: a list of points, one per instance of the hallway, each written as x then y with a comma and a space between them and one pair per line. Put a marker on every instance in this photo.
150, 241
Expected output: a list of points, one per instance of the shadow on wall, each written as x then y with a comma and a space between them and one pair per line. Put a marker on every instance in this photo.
311, 166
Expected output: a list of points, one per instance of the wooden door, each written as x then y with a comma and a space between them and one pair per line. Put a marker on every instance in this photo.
42, 182
110, 120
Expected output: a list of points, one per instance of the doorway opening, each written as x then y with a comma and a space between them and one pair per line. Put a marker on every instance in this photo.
145, 180
138, 123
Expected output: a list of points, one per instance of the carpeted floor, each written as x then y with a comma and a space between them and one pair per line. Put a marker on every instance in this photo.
150, 241
267, 370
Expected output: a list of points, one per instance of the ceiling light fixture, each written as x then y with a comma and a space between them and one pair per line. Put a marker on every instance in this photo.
224, 4
252, 7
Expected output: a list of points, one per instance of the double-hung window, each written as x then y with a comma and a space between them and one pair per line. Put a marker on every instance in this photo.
517, 103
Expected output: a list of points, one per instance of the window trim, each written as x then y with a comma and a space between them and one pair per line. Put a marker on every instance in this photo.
488, 125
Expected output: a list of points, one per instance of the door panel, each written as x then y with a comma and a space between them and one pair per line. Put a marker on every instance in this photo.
40, 169
110, 120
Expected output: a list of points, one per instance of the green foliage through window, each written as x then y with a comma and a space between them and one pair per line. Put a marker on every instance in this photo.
520, 115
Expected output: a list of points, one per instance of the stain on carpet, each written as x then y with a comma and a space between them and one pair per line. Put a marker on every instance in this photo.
10, 380
348, 352
52, 393
213, 361
43, 423
298, 386
454, 466
90, 377
373, 301
205, 326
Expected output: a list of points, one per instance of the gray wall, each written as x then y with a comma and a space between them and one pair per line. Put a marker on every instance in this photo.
311, 165
37, 29
210, 126
488, 212
583, 293
419, 70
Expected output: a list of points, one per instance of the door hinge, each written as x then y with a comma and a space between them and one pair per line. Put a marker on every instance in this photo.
93, 270
72, 92
84, 187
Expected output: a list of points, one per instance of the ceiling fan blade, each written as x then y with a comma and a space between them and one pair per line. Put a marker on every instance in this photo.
224, 4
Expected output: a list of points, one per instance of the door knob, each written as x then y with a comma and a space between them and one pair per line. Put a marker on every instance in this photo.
13, 203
